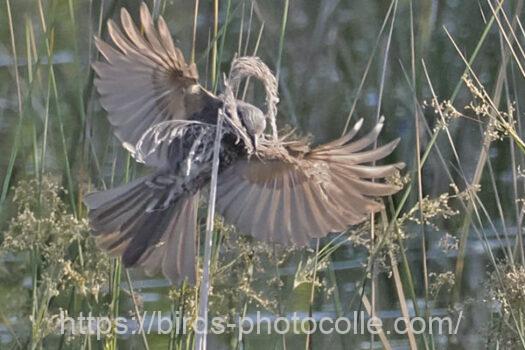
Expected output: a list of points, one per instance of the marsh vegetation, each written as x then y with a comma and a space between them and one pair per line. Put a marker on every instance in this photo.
447, 75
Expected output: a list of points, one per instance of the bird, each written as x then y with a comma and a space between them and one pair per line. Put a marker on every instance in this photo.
278, 189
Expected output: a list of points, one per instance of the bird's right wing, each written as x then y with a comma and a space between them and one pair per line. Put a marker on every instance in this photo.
325, 190
145, 79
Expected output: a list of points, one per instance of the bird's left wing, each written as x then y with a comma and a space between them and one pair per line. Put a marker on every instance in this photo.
293, 200
145, 79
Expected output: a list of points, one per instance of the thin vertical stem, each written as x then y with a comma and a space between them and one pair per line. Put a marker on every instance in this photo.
137, 312
419, 170
194, 39
281, 39
200, 338
214, 50
14, 151
309, 342
378, 115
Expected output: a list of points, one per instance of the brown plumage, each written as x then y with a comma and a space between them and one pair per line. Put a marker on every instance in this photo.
277, 189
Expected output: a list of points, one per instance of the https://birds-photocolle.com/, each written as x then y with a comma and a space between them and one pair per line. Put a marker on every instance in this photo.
275, 188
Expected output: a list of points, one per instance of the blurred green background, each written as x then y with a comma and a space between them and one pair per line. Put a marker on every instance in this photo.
337, 61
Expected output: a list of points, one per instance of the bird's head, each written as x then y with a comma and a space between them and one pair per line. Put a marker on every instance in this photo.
253, 119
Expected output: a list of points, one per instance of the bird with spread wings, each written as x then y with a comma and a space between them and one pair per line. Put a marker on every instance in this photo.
277, 189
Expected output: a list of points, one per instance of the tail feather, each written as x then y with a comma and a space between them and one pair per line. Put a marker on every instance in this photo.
170, 253
109, 210
161, 240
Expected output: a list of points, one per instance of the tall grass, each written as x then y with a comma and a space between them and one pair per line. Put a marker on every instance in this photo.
451, 242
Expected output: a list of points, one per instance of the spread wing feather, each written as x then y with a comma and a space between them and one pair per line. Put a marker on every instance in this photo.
324, 190
145, 79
